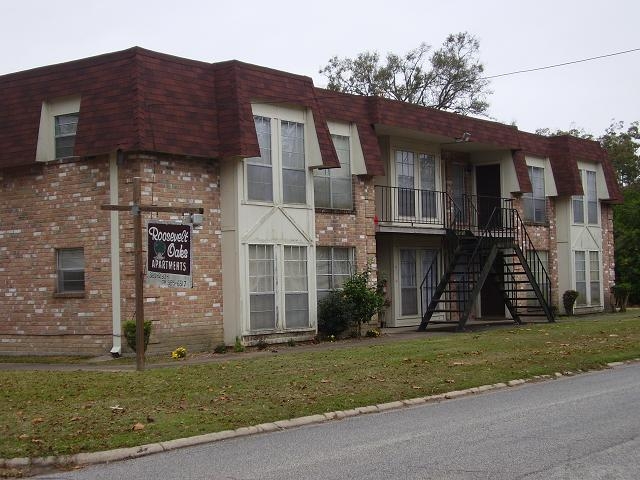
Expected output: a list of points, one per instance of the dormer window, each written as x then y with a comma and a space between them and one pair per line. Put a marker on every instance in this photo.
65, 134
58, 127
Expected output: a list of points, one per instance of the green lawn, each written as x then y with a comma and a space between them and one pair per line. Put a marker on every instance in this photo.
51, 413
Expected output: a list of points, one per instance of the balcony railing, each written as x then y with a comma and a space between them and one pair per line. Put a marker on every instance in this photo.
396, 205
415, 207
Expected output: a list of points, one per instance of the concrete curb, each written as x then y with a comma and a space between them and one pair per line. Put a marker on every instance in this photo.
119, 454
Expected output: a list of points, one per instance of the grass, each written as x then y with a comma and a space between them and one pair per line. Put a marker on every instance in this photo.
52, 413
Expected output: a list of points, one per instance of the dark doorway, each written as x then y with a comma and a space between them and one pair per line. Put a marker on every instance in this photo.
491, 300
488, 191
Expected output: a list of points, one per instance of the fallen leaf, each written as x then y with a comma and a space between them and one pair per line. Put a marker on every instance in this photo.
24, 436
324, 380
416, 387
75, 419
138, 426
450, 380
37, 420
613, 335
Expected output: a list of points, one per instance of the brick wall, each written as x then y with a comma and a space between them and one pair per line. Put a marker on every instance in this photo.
188, 317
44, 208
352, 229
57, 205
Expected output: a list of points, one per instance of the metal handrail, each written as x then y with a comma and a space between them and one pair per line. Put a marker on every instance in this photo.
410, 206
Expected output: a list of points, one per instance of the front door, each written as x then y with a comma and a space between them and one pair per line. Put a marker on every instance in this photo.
488, 191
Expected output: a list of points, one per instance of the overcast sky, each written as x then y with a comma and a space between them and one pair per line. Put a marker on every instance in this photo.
300, 36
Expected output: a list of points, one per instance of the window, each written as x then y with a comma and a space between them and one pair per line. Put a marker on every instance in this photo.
296, 296
408, 174
65, 134
587, 265
594, 278
581, 278
259, 170
332, 186
333, 266
278, 278
293, 167
535, 202
592, 198
279, 173
539, 273
414, 265
262, 295
589, 187
70, 270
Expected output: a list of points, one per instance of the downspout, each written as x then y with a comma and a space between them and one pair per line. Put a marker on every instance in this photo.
114, 159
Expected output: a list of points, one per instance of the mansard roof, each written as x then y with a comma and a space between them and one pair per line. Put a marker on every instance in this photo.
139, 100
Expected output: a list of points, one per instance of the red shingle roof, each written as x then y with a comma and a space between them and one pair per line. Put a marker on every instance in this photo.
138, 100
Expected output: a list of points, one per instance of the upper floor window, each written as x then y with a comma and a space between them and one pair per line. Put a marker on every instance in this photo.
70, 270
279, 173
259, 169
535, 202
416, 182
58, 127
332, 187
65, 134
588, 178
293, 166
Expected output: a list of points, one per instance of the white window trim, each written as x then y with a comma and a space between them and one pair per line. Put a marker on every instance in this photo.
417, 150
331, 176
279, 285
278, 114
351, 254
419, 278
46, 146
59, 281
582, 170
588, 303
533, 198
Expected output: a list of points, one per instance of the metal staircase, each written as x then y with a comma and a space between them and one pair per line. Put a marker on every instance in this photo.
498, 251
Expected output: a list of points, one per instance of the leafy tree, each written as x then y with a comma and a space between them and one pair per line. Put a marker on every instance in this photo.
622, 146
448, 79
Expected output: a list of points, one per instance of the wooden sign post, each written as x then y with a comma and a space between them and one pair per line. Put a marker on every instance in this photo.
136, 210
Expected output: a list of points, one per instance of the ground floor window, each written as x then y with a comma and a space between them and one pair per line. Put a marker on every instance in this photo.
278, 278
70, 270
334, 265
587, 271
414, 265
262, 301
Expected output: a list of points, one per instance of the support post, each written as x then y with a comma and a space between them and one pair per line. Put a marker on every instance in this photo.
139, 273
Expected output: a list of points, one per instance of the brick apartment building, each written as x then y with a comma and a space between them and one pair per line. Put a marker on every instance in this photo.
462, 218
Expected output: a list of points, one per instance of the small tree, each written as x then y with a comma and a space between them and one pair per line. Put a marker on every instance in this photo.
568, 300
364, 298
621, 295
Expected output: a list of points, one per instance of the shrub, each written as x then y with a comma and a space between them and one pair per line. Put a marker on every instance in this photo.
334, 314
365, 299
129, 328
238, 347
621, 294
220, 348
568, 300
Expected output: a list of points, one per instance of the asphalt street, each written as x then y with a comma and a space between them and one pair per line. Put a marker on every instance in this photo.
580, 427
